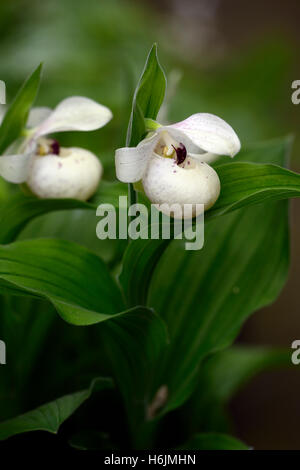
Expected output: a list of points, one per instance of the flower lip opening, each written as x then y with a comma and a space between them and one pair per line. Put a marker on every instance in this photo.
181, 153
48, 147
55, 147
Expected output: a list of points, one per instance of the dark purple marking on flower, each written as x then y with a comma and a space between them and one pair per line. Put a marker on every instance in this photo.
180, 153
55, 147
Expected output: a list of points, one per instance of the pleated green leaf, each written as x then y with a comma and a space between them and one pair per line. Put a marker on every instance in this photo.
83, 292
246, 184
148, 98
15, 118
50, 416
140, 259
20, 209
76, 281
206, 296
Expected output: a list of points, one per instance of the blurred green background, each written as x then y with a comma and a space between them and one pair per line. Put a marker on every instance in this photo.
234, 59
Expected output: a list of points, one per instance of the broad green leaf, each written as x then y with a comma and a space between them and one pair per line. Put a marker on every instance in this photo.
204, 296
246, 184
80, 287
147, 99
134, 342
213, 441
220, 377
50, 416
16, 116
25, 324
78, 226
139, 261
74, 280
20, 209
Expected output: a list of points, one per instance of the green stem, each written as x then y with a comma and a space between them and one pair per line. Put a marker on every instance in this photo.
132, 196
132, 199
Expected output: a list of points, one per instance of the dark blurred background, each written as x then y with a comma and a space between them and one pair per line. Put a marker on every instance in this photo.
235, 59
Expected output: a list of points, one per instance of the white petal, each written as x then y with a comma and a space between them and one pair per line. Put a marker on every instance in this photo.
38, 115
75, 114
15, 168
207, 132
131, 162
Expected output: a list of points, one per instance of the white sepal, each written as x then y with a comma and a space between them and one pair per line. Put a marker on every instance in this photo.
15, 168
131, 162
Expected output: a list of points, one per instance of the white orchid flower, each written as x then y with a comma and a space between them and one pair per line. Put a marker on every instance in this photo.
173, 162
49, 169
